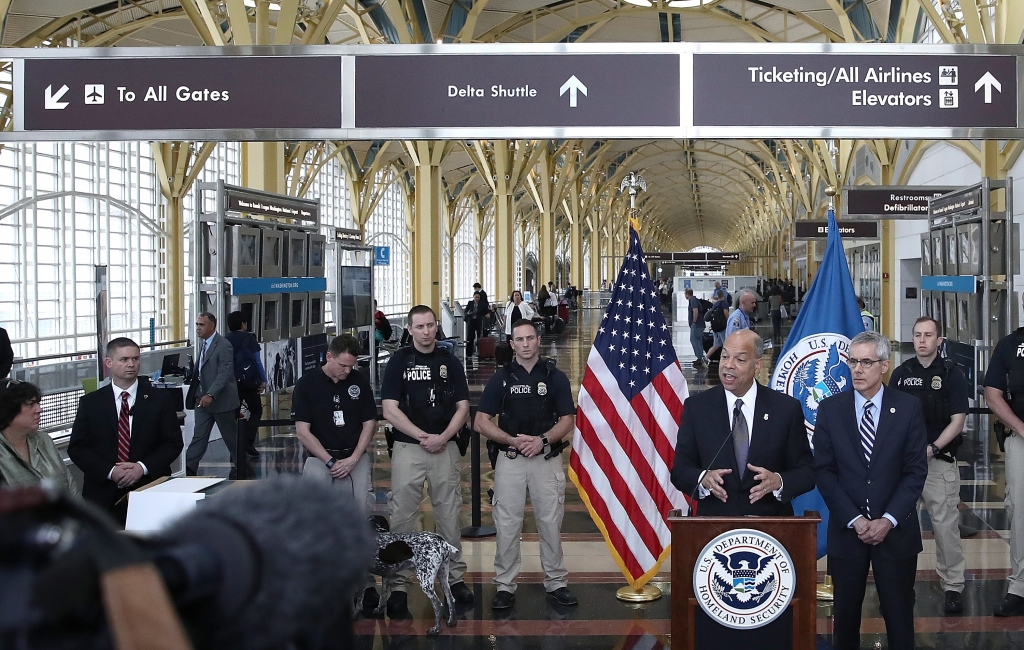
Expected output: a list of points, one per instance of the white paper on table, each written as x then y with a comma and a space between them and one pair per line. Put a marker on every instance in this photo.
184, 484
151, 511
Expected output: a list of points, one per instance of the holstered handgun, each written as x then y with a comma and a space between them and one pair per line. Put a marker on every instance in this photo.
389, 437
1001, 435
492, 453
462, 439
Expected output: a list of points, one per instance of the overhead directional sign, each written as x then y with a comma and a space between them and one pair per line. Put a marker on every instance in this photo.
513, 91
226, 92
831, 89
890, 202
959, 202
545, 90
847, 229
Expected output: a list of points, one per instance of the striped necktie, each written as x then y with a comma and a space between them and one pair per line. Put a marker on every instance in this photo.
867, 432
124, 437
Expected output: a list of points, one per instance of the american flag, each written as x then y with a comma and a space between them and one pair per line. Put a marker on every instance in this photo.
627, 422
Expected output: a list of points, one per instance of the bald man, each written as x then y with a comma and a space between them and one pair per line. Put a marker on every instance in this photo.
742, 447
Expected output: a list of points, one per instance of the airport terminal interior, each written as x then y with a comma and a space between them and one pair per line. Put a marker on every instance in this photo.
108, 235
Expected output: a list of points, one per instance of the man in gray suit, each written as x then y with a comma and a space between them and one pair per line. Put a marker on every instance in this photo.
216, 397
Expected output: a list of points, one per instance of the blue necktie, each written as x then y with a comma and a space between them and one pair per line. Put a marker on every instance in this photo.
867, 432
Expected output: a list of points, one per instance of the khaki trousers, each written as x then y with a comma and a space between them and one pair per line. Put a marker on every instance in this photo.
411, 466
545, 482
940, 498
1014, 497
357, 483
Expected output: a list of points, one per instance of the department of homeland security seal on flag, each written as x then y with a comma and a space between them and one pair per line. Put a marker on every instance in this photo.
744, 579
811, 370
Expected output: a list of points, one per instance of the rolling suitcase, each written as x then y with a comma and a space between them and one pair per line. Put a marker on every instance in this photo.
503, 353
485, 347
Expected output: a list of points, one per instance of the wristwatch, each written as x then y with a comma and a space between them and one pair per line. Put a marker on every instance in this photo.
331, 462
934, 448
544, 440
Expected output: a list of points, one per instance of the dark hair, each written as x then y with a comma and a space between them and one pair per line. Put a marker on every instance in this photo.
928, 319
523, 321
344, 344
476, 285
421, 309
210, 317
860, 302
118, 343
14, 395
235, 321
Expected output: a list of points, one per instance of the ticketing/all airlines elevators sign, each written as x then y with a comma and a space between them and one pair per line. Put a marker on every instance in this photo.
822, 90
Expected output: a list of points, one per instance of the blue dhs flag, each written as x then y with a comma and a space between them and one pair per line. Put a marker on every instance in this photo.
812, 365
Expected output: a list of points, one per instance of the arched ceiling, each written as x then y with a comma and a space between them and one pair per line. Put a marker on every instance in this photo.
700, 192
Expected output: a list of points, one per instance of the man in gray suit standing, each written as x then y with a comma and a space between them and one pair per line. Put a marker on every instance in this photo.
216, 396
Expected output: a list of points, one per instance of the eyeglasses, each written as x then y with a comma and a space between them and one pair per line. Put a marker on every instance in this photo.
864, 363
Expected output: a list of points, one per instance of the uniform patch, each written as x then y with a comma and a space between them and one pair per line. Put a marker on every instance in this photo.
444, 372
936, 383
353, 392
542, 389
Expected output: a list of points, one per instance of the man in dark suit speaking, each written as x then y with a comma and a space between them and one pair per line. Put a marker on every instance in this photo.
743, 443
125, 434
870, 466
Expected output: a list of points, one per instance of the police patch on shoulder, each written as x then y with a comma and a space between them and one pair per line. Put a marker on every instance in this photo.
354, 391
444, 372
542, 389
744, 579
936, 383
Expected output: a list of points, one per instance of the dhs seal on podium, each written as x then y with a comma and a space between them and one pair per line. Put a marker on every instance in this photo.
744, 579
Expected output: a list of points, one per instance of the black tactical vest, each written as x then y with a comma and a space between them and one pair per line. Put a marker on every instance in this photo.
527, 407
1015, 375
930, 386
429, 396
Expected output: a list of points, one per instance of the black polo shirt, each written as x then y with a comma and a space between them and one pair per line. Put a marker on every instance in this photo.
560, 390
317, 397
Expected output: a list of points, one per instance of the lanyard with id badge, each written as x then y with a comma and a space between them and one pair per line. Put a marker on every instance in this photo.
339, 415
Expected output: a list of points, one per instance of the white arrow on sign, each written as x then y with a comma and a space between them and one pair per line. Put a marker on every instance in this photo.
573, 85
988, 82
53, 101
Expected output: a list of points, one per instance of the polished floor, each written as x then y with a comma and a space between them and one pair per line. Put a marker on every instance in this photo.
600, 620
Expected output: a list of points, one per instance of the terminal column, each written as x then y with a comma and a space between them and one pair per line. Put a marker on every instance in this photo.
427, 231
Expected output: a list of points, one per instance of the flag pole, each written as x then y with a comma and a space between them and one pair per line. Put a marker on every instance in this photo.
634, 183
825, 592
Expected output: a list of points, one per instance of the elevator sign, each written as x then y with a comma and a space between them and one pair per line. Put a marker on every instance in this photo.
849, 90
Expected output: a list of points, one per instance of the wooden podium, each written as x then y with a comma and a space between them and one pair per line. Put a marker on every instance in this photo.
690, 624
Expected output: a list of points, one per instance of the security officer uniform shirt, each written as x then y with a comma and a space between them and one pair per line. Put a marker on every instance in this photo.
426, 386
335, 411
1006, 369
555, 384
941, 389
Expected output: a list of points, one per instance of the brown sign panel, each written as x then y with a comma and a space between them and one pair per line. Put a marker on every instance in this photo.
494, 90
891, 202
966, 200
249, 202
848, 229
831, 89
151, 93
